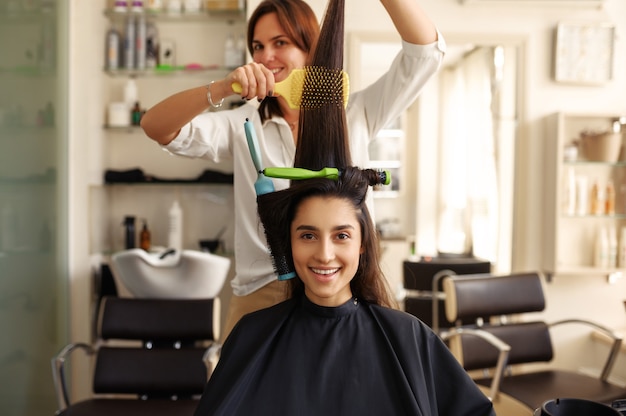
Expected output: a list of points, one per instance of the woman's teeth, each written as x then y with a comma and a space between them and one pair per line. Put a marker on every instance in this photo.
324, 271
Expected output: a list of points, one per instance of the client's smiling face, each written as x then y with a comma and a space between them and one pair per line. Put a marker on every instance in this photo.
326, 245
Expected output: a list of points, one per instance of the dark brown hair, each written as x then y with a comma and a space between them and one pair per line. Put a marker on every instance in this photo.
301, 26
322, 133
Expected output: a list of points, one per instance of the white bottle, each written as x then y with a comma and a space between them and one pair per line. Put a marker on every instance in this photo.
131, 93
569, 205
175, 236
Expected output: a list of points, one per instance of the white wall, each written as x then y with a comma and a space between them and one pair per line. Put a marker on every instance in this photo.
584, 297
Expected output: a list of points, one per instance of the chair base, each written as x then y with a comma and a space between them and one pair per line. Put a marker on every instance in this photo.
131, 407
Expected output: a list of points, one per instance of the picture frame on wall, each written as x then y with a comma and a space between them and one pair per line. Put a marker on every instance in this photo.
584, 53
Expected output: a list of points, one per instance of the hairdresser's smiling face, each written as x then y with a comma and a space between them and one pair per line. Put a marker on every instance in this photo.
272, 48
326, 245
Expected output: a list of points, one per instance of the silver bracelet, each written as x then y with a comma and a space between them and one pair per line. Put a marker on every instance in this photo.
208, 96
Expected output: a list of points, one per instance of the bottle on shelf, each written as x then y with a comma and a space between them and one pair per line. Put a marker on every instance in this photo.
129, 232
582, 195
113, 48
136, 6
140, 41
135, 114
130, 40
120, 6
569, 203
175, 236
596, 207
131, 92
144, 237
609, 201
152, 45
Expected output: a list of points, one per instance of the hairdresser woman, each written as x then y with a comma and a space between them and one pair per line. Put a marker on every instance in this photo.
280, 35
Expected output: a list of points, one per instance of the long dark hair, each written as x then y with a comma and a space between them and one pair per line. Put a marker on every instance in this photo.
322, 133
300, 25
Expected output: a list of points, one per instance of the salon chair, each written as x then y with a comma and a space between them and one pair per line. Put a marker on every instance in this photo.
151, 357
511, 339
423, 294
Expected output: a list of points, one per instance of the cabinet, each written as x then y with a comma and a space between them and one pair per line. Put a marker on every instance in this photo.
198, 40
571, 232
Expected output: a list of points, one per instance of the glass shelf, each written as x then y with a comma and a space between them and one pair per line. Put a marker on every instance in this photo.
183, 17
164, 71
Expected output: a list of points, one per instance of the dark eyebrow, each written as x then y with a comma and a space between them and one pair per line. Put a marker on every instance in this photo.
306, 228
275, 38
312, 228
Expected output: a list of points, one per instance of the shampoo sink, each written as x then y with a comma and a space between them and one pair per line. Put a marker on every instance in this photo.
171, 274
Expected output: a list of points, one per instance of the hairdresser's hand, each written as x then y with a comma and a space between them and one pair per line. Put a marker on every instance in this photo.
255, 79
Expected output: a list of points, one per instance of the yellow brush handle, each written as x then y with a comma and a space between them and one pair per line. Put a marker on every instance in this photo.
291, 87
281, 87
236, 87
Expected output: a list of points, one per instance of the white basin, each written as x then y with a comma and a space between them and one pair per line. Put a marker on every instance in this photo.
172, 274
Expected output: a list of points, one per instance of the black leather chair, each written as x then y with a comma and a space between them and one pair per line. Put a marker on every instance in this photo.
151, 358
511, 338
423, 294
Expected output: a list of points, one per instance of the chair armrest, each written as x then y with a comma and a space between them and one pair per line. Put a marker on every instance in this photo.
615, 347
58, 372
503, 353
211, 357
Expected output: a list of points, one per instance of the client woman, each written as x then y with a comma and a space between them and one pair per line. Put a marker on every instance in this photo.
336, 346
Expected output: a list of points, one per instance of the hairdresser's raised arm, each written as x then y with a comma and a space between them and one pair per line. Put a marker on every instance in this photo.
411, 21
163, 121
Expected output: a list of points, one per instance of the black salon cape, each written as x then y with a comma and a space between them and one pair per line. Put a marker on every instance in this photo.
298, 358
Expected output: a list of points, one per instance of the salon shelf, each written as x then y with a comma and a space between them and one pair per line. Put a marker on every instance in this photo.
570, 238
182, 17
166, 72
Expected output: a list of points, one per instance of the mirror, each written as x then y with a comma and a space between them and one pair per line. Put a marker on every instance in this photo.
461, 199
